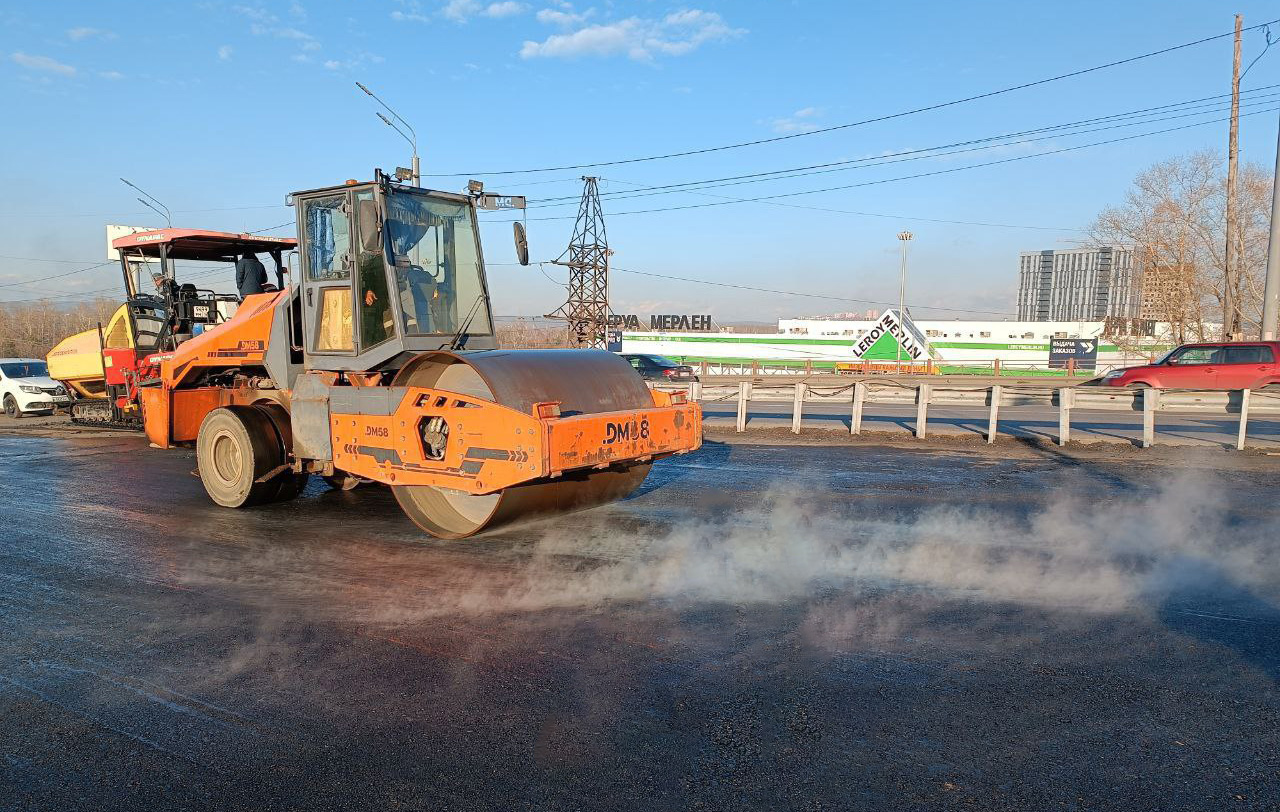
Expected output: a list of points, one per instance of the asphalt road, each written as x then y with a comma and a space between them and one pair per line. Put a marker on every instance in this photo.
759, 628
1037, 422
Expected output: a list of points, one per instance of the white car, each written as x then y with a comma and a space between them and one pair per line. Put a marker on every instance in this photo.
25, 388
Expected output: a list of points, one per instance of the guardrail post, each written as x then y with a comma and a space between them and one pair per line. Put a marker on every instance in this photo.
859, 398
797, 409
1244, 419
922, 409
744, 394
995, 367
995, 411
1065, 396
695, 391
1150, 402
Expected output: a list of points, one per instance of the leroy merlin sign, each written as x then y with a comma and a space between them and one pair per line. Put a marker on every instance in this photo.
892, 337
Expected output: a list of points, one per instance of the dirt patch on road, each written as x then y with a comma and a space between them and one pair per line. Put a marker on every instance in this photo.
56, 425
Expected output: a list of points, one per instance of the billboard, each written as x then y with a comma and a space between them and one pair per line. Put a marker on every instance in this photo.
116, 232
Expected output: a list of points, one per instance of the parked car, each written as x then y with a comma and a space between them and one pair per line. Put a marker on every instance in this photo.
658, 368
1221, 365
26, 388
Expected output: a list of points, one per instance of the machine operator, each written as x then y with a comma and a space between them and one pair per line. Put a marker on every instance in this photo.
251, 275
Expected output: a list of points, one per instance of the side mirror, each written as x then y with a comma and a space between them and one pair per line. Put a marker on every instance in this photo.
522, 244
370, 225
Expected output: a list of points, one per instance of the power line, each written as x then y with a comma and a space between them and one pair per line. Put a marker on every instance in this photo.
56, 276
100, 264
877, 119
990, 142
932, 173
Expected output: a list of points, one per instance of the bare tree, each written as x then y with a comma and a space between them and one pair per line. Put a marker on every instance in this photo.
31, 329
1175, 217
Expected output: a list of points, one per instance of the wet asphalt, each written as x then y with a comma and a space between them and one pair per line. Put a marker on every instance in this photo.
758, 628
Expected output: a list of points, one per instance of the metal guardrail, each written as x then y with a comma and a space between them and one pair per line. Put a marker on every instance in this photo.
1149, 402
962, 368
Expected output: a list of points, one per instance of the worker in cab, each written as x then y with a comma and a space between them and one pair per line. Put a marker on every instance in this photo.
251, 275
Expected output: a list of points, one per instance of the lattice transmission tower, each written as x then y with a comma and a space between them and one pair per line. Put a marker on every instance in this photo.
587, 258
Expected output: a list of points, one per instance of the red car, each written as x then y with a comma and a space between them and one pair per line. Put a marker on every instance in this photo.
1222, 365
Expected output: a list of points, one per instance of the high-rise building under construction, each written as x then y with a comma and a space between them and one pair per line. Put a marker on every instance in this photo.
1081, 284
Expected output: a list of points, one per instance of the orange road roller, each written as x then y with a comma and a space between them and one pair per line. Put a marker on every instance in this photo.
378, 363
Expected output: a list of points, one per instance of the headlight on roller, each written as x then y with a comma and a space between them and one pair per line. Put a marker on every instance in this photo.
1115, 373
30, 390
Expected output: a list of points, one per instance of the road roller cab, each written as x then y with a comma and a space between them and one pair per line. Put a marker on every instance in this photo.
379, 364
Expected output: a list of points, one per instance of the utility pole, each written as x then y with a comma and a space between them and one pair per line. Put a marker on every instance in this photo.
1231, 258
1271, 293
904, 237
587, 258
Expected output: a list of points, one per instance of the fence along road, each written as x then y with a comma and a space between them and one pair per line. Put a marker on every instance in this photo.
1237, 417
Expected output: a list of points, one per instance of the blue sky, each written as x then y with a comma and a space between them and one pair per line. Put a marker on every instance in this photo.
219, 109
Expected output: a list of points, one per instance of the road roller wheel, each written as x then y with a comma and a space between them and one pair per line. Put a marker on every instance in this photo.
235, 447
452, 514
582, 381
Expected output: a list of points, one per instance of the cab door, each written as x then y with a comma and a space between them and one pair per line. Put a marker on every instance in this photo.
328, 263
1245, 366
1194, 367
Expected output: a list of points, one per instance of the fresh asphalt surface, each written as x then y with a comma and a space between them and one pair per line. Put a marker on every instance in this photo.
855, 627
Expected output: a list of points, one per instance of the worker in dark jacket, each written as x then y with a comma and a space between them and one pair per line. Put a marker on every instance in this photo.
251, 276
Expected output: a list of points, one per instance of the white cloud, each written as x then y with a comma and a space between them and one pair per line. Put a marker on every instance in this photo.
507, 8
298, 11
460, 10
112, 75
359, 60
258, 15
224, 52
676, 34
77, 34
264, 23
42, 63
305, 40
409, 16
565, 17
797, 122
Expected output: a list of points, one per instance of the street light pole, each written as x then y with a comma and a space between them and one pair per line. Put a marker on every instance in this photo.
412, 138
1271, 293
904, 237
165, 214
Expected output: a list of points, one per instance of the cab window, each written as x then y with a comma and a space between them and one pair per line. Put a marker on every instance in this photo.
376, 321
1192, 356
1249, 355
329, 261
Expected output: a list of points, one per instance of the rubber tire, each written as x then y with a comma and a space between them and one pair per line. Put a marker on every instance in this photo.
11, 407
247, 444
289, 486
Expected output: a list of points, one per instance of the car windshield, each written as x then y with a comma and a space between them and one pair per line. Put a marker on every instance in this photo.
25, 369
437, 263
658, 360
